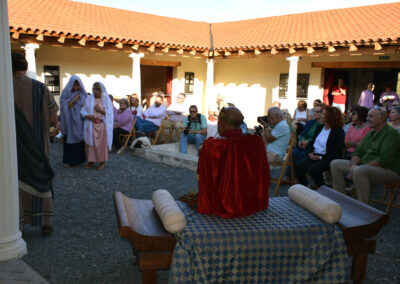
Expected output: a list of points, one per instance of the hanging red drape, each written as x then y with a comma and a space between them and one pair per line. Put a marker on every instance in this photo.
169, 83
329, 81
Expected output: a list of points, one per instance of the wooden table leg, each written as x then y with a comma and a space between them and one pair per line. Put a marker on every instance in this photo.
359, 268
149, 277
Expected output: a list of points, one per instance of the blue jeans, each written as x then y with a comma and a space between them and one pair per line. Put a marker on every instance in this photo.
145, 125
192, 139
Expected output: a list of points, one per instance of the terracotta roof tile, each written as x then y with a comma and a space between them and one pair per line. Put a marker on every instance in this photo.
98, 21
341, 25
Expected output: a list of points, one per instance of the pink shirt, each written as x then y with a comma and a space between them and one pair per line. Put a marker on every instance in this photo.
355, 135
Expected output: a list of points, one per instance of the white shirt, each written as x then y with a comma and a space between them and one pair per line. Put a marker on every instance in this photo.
139, 111
300, 115
177, 112
320, 142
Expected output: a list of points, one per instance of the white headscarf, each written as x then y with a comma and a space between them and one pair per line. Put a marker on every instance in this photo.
88, 109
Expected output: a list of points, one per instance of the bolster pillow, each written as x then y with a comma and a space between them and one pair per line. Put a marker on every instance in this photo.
169, 212
319, 205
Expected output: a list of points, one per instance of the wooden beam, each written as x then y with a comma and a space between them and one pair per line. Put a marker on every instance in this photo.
159, 63
357, 65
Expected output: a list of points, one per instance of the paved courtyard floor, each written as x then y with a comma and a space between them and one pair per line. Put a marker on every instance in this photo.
86, 248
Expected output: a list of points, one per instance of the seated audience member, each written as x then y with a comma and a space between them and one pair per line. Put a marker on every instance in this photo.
276, 104
194, 130
306, 136
311, 111
286, 116
213, 112
134, 106
367, 97
123, 121
233, 171
276, 135
176, 114
300, 116
327, 145
154, 115
395, 117
388, 97
347, 121
375, 160
357, 131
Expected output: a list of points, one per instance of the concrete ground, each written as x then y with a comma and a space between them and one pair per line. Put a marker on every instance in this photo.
86, 247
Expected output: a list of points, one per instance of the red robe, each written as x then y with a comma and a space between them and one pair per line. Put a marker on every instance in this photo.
234, 176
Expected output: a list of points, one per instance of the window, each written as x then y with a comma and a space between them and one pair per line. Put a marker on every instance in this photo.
302, 85
189, 82
52, 79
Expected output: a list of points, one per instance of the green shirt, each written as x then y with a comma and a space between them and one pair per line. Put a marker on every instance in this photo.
195, 125
382, 146
310, 133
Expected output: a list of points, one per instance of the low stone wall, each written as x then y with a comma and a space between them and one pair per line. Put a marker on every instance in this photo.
169, 154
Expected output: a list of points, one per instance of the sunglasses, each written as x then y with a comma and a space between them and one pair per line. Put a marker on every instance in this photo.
382, 110
193, 111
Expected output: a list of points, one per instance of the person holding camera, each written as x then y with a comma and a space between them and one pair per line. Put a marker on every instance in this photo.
276, 135
194, 130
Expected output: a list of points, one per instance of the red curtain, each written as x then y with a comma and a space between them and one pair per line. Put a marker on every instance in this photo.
169, 83
329, 82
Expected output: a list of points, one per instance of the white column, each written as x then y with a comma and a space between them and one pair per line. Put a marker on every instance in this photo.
30, 57
136, 78
11, 243
210, 90
292, 83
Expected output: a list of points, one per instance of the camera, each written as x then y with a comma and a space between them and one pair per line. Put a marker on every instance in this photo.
186, 130
258, 130
261, 119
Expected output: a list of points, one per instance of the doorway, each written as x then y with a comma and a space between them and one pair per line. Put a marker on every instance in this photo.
357, 80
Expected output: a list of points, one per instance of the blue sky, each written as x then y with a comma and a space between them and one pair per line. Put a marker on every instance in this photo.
229, 10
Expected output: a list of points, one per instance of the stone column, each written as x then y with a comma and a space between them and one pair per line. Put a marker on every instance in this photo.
30, 57
292, 83
11, 243
136, 78
209, 94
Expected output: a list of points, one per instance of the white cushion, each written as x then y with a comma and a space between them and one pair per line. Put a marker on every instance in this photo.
319, 205
169, 212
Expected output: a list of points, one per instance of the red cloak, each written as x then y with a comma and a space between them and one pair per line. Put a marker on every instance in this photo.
234, 176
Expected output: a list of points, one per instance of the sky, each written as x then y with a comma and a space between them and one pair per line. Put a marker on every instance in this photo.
213, 11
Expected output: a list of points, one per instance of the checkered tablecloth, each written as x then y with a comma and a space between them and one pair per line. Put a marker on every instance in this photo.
283, 244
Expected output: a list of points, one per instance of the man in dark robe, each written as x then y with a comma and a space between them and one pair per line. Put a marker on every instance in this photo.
233, 171
35, 112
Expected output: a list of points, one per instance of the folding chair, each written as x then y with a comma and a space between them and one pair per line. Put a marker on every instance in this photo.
161, 128
288, 161
392, 190
132, 133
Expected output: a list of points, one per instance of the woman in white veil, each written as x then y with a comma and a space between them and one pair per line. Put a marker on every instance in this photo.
98, 126
72, 100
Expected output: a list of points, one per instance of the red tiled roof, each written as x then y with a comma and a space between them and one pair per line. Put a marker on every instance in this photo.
64, 16
367, 23
340, 25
